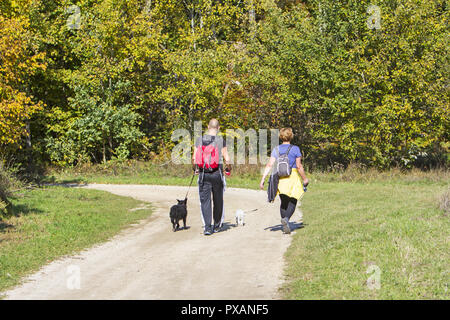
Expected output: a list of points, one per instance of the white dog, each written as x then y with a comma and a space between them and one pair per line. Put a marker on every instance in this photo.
240, 215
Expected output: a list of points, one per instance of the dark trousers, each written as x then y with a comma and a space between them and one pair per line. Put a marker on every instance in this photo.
211, 183
287, 207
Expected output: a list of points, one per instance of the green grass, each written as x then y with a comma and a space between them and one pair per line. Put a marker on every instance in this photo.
350, 226
55, 221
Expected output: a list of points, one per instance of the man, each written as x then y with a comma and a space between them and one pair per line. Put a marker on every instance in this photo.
208, 152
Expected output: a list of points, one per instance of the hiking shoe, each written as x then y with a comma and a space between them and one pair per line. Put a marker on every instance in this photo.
286, 228
217, 228
208, 231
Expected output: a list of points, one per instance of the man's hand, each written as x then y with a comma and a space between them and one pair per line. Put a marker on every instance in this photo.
228, 170
195, 169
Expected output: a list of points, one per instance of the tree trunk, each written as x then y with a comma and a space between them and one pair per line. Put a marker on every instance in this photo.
104, 151
29, 150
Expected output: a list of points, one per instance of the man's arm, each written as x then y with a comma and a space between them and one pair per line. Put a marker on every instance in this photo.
226, 158
194, 165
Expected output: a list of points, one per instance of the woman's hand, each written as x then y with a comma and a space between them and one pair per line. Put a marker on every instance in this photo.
305, 182
301, 171
266, 171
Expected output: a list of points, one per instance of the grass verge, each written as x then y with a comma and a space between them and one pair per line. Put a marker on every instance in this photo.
55, 221
355, 232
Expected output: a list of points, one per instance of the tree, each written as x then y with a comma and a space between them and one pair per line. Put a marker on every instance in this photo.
18, 60
101, 131
358, 81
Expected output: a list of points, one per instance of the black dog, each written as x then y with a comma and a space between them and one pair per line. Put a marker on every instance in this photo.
178, 212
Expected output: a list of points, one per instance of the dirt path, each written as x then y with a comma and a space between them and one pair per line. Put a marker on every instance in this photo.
149, 261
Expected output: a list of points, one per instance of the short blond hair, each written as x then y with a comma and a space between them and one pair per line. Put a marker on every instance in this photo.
213, 124
286, 134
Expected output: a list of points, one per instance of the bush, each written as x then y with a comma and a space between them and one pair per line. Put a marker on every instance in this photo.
8, 182
5, 185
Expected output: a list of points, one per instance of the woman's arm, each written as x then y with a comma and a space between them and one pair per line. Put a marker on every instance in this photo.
301, 171
266, 171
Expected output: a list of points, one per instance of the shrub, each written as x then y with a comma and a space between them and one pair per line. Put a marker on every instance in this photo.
8, 182
5, 186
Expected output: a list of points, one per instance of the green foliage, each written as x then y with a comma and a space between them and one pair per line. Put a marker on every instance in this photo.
18, 62
352, 93
6, 183
100, 126
360, 95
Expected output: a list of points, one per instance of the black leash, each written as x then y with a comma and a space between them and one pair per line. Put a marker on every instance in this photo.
192, 179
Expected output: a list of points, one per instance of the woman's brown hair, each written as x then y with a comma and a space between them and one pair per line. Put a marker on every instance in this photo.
286, 134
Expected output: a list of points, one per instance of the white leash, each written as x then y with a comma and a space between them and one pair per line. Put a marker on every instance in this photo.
301, 197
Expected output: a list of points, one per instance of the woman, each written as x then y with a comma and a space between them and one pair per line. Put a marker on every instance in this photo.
290, 188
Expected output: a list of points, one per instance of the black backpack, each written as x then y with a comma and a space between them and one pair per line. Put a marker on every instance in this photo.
283, 168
